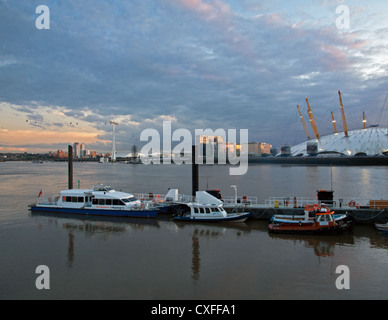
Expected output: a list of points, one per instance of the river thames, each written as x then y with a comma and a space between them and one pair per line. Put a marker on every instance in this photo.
156, 259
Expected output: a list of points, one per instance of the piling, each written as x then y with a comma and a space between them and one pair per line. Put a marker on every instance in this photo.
70, 171
195, 173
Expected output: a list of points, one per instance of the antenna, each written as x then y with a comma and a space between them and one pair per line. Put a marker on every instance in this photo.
114, 124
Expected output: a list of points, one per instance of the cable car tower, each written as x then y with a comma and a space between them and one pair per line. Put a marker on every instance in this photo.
114, 124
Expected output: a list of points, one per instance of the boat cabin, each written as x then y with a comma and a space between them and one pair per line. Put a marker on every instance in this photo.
97, 197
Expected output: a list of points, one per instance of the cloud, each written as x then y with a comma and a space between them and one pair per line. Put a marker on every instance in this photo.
201, 64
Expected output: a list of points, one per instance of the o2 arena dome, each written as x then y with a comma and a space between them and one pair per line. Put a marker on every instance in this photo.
370, 142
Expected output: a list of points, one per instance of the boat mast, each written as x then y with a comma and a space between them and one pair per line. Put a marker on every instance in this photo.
343, 115
313, 125
304, 124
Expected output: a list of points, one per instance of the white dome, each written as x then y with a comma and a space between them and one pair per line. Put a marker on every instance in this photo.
370, 141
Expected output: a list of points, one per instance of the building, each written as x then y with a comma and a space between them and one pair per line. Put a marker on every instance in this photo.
211, 146
370, 141
259, 149
82, 150
76, 150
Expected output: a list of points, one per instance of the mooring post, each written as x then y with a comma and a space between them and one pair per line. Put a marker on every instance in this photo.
195, 178
70, 161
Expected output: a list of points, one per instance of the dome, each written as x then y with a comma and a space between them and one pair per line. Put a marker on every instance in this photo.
370, 141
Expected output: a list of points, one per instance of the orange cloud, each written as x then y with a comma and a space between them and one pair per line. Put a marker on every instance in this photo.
26, 137
208, 10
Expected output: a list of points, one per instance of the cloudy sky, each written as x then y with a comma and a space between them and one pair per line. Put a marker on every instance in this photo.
231, 64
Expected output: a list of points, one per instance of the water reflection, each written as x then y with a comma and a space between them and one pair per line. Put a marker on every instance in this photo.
102, 227
322, 246
208, 231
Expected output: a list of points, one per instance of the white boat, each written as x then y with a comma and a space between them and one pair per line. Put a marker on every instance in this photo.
382, 227
101, 200
207, 208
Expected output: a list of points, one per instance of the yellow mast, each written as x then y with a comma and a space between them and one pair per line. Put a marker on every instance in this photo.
333, 121
343, 115
304, 124
363, 119
313, 125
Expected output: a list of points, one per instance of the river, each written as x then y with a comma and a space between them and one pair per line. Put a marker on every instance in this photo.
136, 259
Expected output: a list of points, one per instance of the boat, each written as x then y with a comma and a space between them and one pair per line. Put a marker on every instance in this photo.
316, 220
207, 208
382, 227
312, 210
100, 200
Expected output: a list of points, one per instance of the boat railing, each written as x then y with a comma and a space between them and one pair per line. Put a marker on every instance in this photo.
240, 201
155, 197
300, 202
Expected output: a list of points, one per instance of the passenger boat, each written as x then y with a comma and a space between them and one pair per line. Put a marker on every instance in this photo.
317, 219
207, 208
100, 200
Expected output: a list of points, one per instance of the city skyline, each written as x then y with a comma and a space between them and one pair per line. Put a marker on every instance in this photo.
199, 64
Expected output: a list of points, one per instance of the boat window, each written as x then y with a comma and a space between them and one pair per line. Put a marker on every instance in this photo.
101, 201
116, 202
68, 199
95, 201
80, 199
108, 202
74, 199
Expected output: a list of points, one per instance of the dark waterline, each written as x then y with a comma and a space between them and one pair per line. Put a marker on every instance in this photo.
97, 258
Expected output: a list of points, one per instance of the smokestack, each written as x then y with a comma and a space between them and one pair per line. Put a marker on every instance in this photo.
70, 171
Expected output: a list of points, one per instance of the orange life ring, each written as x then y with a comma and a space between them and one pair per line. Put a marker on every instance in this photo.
352, 203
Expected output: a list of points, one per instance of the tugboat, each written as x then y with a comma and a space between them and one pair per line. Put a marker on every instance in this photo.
316, 220
101, 200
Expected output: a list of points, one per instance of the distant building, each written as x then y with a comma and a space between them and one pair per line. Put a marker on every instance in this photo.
210, 146
76, 150
258, 149
82, 151
61, 154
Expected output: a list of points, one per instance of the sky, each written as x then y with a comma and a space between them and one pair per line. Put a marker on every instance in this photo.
229, 64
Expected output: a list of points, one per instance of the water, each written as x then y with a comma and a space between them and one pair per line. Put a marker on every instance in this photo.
98, 258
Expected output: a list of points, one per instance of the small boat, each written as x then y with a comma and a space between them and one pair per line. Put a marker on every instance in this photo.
101, 200
382, 227
207, 208
316, 220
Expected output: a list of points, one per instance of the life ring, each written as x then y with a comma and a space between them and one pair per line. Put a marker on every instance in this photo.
352, 203
358, 206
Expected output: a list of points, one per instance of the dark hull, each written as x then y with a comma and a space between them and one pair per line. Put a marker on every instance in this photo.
308, 229
146, 213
